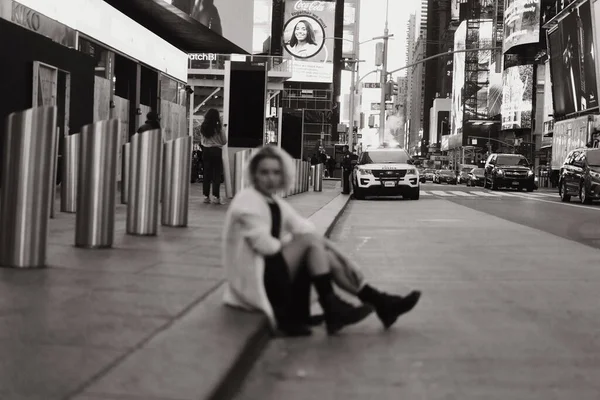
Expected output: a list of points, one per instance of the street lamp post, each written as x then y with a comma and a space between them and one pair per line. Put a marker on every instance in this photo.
383, 77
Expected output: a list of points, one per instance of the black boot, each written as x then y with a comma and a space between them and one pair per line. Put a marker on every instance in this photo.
339, 313
389, 307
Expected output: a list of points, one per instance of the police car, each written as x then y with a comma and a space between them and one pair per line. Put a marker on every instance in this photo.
386, 172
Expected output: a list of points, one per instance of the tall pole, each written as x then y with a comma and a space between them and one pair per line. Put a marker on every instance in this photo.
354, 83
383, 77
351, 108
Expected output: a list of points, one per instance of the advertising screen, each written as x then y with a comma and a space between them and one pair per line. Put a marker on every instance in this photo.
572, 58
458, 83
494, 92
223, 17
308, 31
517, 95
521, 22
348, 50
476, 107
455, 10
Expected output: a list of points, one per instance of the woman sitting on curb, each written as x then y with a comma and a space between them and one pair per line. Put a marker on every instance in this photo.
272, 255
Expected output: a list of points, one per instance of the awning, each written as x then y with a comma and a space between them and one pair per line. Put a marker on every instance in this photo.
175, 26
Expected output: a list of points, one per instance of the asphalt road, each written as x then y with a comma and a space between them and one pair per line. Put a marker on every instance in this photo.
541, 210
510, 307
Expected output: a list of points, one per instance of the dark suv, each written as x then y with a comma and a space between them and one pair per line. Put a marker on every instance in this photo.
508, 170
580, 176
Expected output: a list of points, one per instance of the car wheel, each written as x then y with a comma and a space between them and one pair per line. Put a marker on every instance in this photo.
562, 191
359, 194
494, 184
416, 193
583, 197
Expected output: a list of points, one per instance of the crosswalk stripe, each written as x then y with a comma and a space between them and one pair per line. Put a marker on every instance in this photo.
553, 195
506, 194
440, 193
484, 194
424, 193
463, 194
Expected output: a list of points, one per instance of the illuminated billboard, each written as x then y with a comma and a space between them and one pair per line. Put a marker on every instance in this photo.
308, 32
571, 47
517, 96
232, 19
521, 23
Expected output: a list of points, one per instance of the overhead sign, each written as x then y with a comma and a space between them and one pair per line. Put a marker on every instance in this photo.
369, 85
36, 22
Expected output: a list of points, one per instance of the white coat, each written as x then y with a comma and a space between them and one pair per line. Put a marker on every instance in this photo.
247, 240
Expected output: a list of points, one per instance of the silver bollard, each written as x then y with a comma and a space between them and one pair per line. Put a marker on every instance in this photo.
53, 175
125, 171
298, 176
144, 183
176, 183
240, 162
28, 144
311, 176
97, 185
70, 168
318, 178
306, 176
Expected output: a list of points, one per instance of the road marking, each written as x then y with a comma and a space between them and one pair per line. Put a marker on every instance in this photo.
440, 193
463, 194
564, 204
484, 194
553, 195
424, 193
506, 194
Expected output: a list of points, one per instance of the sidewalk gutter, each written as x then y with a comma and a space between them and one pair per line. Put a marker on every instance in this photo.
233, 378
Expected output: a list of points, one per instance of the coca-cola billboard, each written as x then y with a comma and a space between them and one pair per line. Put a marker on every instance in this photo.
308, 32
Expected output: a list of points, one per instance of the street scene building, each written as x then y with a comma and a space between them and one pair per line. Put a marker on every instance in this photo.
298, 199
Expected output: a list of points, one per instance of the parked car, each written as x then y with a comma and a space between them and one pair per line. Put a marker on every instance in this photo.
386, 171
429, 174
445, 176
508, 171
476, 177
580, 176
463, 173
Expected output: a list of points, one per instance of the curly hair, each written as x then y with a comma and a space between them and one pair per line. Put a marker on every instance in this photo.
287, 164
211, 124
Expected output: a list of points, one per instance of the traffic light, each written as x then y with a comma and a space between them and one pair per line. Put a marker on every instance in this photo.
389, 89
371, 121
394, 89
355, 129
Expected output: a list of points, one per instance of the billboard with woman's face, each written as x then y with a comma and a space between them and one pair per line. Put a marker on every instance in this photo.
308, 33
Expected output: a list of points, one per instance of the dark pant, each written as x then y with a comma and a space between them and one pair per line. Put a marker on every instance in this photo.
346, 180
289, 298
212, 158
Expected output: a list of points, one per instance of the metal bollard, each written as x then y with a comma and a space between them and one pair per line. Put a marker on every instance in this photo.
27, 158
97, 185
52, 201
318, 178
125, 171
306, 176
311, 177
70, 168
240, 162
176, 183
144, 183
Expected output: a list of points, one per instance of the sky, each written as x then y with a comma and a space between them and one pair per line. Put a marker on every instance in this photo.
372, 22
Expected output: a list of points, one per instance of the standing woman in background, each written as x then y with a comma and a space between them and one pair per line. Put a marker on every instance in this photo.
212, 139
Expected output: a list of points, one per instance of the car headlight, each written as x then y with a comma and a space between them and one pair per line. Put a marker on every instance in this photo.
364, 171
594, 175
529, 173
411, 172
499, 172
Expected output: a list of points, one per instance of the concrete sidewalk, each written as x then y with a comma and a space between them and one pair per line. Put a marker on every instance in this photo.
143, 320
